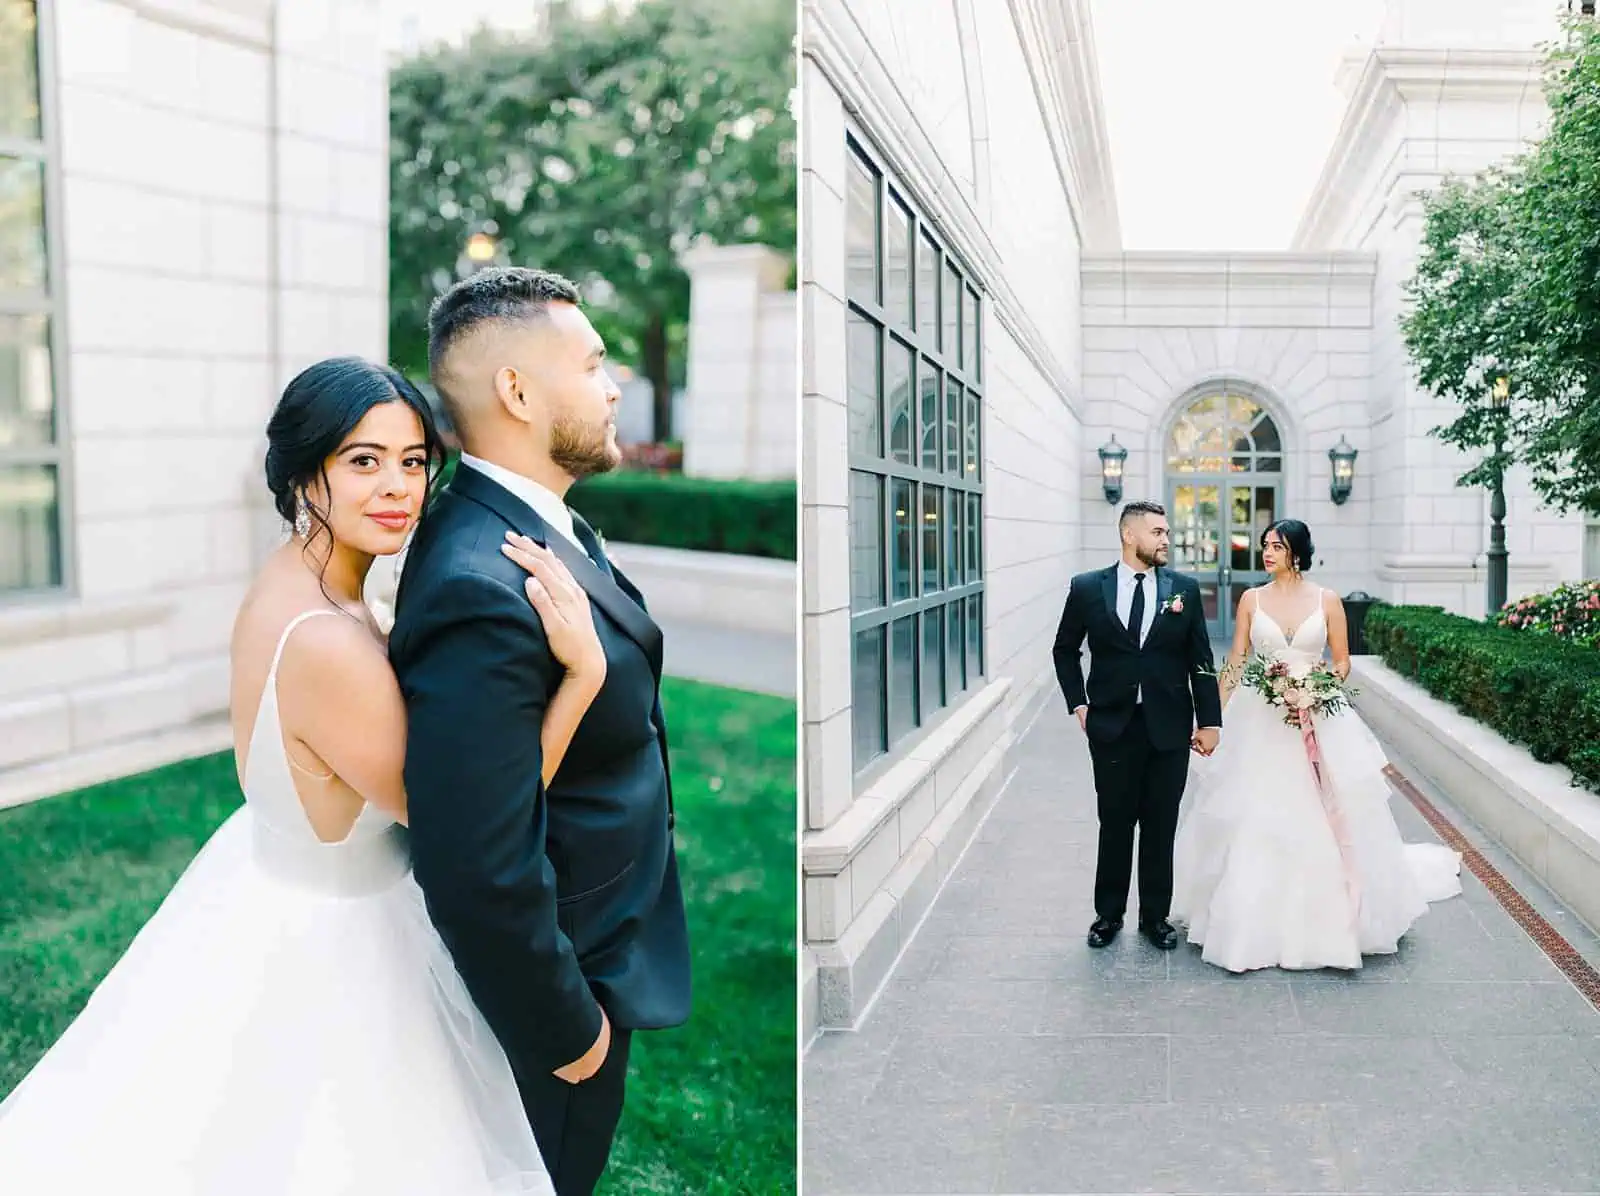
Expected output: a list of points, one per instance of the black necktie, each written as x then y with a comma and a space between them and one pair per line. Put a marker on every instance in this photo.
591, 543
1136, 615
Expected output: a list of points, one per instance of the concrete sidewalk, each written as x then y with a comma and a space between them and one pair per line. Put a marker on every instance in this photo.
1005, 1056
753, 660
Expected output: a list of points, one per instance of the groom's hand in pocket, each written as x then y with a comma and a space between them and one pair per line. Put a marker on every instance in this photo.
593, 1059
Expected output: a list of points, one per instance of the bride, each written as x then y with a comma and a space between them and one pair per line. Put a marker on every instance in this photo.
1271, 869
288, 1021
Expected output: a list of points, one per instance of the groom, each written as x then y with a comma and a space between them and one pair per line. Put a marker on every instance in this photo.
1151, 673
560, 905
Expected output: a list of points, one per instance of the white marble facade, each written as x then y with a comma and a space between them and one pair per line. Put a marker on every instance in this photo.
946, 99
971, 106
220, 212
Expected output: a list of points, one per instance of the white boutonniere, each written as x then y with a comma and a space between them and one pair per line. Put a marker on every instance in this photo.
1172, 606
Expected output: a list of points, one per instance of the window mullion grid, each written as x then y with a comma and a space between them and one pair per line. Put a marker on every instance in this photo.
958, 486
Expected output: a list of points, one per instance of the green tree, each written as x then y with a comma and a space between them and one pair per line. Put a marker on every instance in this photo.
1466, 325
1508, 283
603, 149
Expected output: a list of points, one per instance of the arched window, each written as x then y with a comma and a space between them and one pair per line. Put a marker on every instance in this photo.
1224, 433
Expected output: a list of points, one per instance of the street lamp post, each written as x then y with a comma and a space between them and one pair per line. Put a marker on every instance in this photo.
1497, 501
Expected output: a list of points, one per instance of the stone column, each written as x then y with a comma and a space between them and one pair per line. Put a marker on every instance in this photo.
723, 426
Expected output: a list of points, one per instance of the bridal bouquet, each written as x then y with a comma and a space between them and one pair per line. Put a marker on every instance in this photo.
1303, 687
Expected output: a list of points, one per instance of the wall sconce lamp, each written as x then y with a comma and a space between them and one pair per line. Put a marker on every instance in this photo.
1112, 455
1343, 458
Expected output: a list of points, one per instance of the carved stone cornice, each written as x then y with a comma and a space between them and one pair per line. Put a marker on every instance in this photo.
1393, 80
1201, 269
1058, 42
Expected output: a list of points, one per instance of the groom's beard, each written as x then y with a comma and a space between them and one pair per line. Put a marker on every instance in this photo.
1157, 557
582, 450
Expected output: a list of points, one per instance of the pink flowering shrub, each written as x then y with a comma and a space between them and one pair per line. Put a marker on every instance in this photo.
1570, 612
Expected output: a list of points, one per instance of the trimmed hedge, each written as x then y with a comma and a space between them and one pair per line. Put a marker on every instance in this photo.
668, 510
1537, 690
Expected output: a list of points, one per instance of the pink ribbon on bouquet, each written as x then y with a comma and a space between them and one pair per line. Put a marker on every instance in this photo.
1333, 810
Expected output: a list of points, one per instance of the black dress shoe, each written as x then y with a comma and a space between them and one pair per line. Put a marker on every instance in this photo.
1163, 934
1103, 931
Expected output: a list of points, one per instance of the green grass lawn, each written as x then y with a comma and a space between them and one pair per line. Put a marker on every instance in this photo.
711, 1107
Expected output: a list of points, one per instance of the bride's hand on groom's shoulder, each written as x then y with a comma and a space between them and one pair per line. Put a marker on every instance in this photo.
562, 606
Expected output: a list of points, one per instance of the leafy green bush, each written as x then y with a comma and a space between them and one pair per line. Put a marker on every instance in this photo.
672, 511
1569, 611
1539, 690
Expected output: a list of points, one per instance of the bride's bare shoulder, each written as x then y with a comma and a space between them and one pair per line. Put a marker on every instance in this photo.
276, 600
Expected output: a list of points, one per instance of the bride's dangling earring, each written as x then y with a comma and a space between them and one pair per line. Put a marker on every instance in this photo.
302, 520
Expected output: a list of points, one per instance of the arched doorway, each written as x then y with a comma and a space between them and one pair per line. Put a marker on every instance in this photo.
1225, 483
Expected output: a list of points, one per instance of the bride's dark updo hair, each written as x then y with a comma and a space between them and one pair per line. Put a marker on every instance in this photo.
1298, 538
319, 409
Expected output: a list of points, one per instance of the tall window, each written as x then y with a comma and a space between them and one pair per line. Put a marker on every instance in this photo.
30, 447
915, 381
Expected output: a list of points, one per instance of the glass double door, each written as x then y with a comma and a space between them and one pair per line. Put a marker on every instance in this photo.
1216, 538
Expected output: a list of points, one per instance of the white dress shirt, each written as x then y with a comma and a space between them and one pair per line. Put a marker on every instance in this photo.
545, 502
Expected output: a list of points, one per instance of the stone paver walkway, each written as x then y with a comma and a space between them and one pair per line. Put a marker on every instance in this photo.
1006, 1056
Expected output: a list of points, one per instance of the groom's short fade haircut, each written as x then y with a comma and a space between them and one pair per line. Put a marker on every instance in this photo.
1135, 509
502, 293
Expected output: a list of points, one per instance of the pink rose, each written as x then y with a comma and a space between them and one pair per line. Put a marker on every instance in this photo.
1177, 604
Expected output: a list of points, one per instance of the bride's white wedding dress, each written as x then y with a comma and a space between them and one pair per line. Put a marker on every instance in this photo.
287, 1024
1260, 877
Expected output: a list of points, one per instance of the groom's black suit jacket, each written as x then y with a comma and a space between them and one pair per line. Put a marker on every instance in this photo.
1174, 667
549, 900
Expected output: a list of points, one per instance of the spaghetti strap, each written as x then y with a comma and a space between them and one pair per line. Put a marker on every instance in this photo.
277, 655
